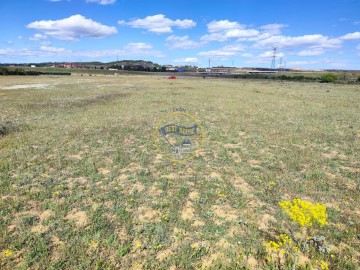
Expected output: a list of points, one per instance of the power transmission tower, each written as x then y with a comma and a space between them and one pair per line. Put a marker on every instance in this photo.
280, 65
273, 58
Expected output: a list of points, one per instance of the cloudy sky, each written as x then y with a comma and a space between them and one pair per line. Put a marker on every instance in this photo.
307, 34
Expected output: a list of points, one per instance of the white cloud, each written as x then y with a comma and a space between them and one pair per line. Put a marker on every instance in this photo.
182, 42
269, 54
310, 45
136, 47
130, 50
159, 24
247, 55
223, 25
310, 52
46, 43
229, 50
51, 49
231, 34
38, 37
318, 41
261, 36
214, 37
101, 2
351, 36
9, 52
224, 30
72, 28
186, 60
273, 29
236, 33
234, 48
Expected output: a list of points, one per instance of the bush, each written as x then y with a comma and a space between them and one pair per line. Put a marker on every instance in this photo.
327, 78
20, 71
4, 71
358, 79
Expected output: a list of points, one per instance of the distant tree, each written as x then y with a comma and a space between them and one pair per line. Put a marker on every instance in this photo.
327, 78
4, 71
358, 79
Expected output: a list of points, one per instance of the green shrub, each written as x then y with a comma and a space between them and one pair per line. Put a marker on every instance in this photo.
20, 71
4, 71
327, 78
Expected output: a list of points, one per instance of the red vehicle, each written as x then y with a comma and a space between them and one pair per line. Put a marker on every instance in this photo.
172, 77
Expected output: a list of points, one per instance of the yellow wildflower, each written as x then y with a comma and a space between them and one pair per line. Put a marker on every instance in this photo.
283, 243
284, 239
93, 244
220, 194
138, 245
165, 217
8, 252
324, 265
272, 246
305, 213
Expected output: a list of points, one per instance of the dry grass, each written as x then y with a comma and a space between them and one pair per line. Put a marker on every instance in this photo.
83, 187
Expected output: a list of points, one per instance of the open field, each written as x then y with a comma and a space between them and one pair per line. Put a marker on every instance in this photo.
82, 185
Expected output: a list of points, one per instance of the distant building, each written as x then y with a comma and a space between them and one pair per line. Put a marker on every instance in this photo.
68, 65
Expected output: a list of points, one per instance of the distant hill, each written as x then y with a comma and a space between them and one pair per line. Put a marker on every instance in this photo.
94, 64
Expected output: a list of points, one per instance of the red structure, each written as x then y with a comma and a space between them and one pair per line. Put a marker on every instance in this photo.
172, 77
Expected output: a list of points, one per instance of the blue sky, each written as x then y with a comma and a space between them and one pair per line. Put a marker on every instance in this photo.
313, 34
